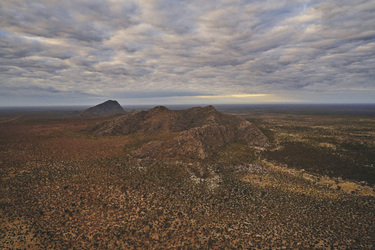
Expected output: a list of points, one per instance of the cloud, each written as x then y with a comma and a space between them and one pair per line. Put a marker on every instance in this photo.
233, 96
291, 50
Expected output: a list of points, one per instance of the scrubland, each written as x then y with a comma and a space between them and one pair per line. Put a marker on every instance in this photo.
62, 187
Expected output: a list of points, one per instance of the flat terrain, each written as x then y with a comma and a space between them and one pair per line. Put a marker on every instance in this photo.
313, 187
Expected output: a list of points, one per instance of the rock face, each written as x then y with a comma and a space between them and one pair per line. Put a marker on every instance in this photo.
200, 132
107, 108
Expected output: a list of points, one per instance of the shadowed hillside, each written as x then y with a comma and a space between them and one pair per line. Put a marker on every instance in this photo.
199, 132
107, 108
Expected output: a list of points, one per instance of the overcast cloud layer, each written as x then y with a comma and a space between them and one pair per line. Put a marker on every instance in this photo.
167, 51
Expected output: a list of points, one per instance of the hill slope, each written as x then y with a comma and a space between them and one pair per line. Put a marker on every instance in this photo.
107, 108
200, 132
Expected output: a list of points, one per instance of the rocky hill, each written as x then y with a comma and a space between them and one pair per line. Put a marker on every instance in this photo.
200, 132
107, 108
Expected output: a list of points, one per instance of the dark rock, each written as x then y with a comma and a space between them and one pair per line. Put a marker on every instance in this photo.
107, 108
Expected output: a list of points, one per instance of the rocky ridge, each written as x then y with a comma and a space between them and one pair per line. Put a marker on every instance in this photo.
200, 132
107, 108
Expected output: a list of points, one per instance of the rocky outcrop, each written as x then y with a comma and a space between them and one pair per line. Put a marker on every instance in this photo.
201, 131
107, 108
154, 120
195, 143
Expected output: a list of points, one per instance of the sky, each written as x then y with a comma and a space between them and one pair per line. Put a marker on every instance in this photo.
60, 52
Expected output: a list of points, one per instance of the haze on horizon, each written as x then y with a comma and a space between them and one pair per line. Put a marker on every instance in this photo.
185, 52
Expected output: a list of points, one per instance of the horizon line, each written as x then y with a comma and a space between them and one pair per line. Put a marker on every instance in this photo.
193, 104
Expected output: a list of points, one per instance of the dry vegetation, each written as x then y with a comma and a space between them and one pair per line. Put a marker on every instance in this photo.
64, 188
335, 146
